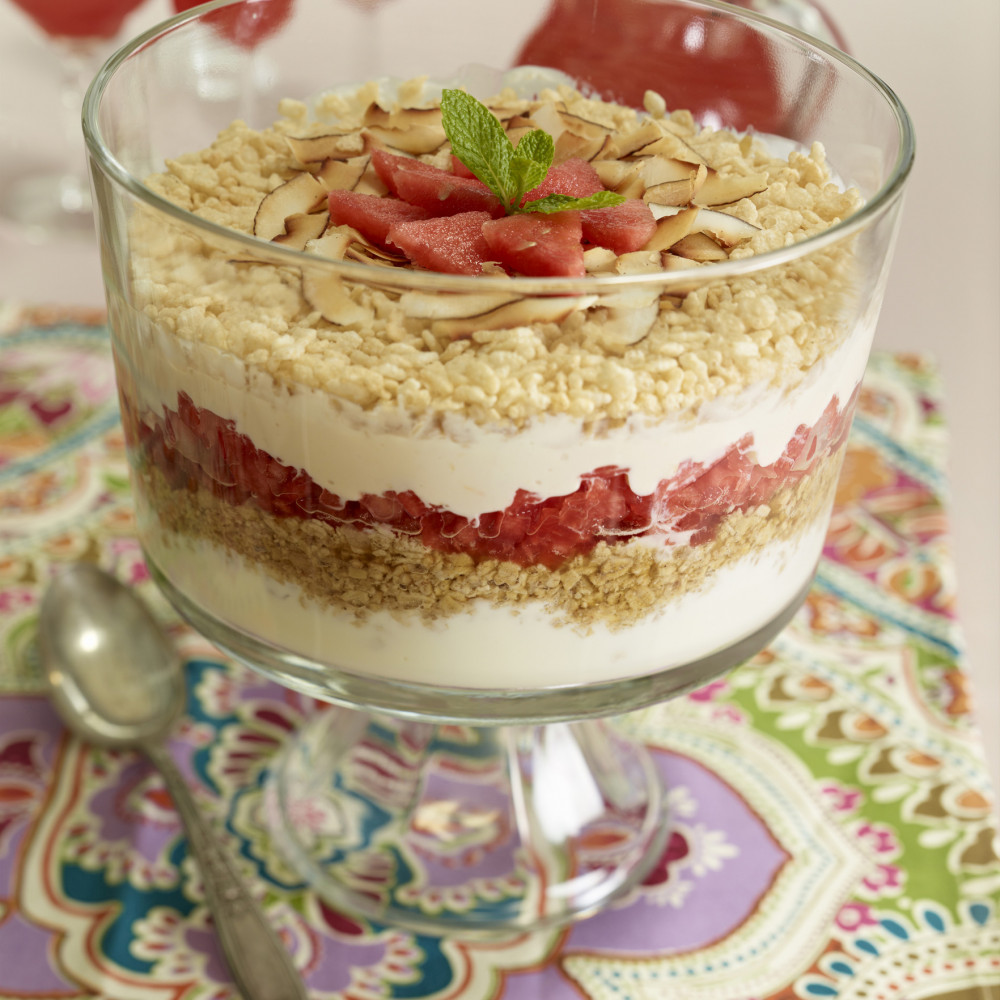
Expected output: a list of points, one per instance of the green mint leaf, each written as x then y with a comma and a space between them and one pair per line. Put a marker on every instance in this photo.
526, 175
566, 202
479, 141
537, 146
532, 159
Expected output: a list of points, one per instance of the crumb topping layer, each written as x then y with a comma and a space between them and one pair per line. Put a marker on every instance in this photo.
392, 351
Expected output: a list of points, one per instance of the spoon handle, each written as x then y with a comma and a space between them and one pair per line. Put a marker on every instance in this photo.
260, 964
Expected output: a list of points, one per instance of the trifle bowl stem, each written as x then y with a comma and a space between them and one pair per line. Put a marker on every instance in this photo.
484, 463
461, 828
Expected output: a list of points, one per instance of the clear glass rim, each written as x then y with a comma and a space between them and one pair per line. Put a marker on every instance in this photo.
272, 253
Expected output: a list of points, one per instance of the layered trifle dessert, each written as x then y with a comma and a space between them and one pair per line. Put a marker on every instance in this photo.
458, 442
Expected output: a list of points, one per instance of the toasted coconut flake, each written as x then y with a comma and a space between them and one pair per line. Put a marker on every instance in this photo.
672, 262
598, 259
638, 262
700, 176
726, 229
363, 251
725, 190
616, 173
627, 143
547, 117
298, 196
664, 169
506, 112
332, 146
343, 175
521, 312
670, 145
699, 247
415, 118
371, 183
584, 126
670, 192
333, 243
606, 150
446, 305
517, 133
300, 229
416, 140
628, 324
375, 114
327, 294
672, 228
632, 187
570, 145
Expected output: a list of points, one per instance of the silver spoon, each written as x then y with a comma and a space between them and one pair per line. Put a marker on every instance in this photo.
117, 681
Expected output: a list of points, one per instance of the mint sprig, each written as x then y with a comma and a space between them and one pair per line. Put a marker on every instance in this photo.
480, 142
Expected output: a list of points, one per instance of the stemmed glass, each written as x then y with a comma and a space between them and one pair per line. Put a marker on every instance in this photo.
56, 199
474, 594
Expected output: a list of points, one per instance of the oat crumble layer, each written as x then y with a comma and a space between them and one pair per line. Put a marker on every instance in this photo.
361, 572
718, 339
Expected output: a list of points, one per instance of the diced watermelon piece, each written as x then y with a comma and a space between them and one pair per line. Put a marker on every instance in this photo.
442, 193
574, 177
538, 244
459, 169
195, 447
386, 165
622, 228
453, 244
370, 214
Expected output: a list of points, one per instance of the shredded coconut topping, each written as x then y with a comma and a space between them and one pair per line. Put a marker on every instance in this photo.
718, 338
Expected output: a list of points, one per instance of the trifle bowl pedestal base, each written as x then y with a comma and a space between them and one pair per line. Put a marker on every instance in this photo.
463, 810
458, 828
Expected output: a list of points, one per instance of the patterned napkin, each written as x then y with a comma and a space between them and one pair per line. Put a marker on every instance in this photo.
832, 827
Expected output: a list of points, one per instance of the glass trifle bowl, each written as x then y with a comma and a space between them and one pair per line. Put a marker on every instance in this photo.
483, 477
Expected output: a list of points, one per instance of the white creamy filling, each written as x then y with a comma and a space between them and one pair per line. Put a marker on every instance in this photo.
461, 466
489, 646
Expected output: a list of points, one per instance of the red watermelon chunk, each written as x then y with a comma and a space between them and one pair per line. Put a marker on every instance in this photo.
453, 244
386, 165
621, 228
370, 214
459, 169
538, 244
442, 193
438, 191
574, 177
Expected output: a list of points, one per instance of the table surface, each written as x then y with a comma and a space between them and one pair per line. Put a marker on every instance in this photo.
829, 833
943, 296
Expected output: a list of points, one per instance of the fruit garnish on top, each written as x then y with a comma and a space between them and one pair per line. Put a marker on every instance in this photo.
517, 187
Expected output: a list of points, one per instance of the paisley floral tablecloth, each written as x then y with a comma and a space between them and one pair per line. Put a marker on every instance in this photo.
833, 830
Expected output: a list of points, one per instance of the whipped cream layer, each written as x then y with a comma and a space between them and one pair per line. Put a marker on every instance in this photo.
459, 465
489, 647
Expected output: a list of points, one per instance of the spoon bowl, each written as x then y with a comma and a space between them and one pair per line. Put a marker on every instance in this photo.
113, 676
116, 680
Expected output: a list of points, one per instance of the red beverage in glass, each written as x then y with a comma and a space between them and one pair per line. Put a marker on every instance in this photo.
79, 18
246, 24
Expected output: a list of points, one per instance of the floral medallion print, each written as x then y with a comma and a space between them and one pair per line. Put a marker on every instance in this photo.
832, 830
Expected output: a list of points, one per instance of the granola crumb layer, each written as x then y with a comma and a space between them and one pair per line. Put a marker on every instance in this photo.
364, 572
714, 340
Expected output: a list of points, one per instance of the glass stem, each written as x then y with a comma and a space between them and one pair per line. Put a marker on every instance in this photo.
80, 60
